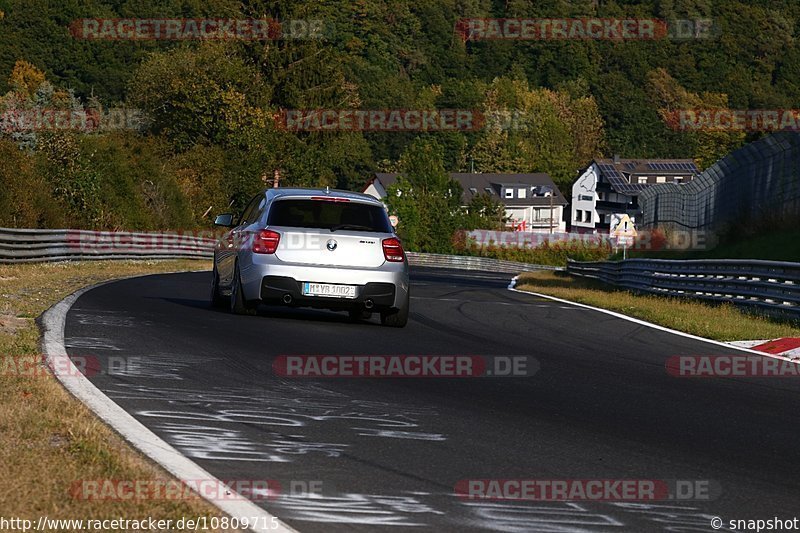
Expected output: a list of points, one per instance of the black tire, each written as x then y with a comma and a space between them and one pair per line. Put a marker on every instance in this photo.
217, 299
397, 318
238, 304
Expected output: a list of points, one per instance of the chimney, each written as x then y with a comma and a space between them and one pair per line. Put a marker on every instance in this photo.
616, 159
276, 178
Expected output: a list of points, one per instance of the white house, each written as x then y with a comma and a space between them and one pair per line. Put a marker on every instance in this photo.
608, 186
532, 201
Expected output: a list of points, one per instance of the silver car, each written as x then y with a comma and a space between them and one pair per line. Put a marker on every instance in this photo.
318, 248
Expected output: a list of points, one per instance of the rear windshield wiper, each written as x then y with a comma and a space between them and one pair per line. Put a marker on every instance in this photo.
351, 226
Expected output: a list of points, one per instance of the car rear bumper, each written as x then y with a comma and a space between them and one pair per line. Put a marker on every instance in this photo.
276, 289
383, 288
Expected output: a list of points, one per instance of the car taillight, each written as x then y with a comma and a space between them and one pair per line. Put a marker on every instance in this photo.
266, 241
393, 250
329, 199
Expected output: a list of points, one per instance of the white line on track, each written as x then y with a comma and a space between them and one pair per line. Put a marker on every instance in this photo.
512, 287
53, 321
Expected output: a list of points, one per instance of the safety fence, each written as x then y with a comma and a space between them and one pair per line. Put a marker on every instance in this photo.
757, 182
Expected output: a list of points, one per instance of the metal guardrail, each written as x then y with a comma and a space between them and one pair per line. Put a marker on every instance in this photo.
768, 285
35, 245
43, 245
466, 262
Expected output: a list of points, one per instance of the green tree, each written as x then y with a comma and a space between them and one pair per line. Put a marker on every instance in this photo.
425, 199
671, 97
537, 130
484, 212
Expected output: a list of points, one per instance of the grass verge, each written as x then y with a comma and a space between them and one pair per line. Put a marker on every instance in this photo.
718, 322
48, 439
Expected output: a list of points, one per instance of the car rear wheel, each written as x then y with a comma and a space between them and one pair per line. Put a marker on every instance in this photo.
397, 318
217, 299
239, 306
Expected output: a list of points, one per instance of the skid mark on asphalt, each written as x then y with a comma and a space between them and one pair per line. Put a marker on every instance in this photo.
154, 366
241, 427
95, 343
358, 509
423, 509
578, 517
212, 424
109, 320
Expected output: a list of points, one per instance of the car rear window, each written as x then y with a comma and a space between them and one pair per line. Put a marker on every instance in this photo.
327, 214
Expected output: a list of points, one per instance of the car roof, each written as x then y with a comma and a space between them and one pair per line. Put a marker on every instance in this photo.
301, 192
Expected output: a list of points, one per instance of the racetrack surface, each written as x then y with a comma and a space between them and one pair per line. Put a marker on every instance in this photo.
389, 452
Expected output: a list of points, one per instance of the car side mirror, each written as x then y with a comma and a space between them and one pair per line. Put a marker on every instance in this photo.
225, 220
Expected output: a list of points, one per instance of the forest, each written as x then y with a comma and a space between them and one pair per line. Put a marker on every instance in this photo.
199, 133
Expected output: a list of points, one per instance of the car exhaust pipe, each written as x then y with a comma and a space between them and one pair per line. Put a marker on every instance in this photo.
287, 299
368, 304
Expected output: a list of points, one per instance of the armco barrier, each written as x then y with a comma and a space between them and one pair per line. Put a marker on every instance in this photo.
767, 285
465, 262
42, 245
35, 245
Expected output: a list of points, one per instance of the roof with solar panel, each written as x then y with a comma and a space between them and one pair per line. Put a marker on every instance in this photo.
623, 174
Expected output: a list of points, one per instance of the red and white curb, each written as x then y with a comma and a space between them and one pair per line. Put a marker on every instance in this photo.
787, 347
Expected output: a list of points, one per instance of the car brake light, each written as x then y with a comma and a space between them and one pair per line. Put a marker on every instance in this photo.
329, 199
266, 241
393, 250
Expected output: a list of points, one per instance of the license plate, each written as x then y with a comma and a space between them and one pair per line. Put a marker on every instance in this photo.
329, 290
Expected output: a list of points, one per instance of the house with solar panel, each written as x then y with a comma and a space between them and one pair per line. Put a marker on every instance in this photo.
609, 186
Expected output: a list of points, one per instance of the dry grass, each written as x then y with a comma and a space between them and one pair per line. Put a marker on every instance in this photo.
718, 322
49, 440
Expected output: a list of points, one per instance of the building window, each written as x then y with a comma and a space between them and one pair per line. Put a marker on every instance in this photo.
509, 193
642, 179
678, 179
473, 190
585, 198
601, 196
489, 190
578, 215
521, 193
661, 179
588, 216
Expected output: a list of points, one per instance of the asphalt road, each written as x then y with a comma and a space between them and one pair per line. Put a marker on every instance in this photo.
389, 452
